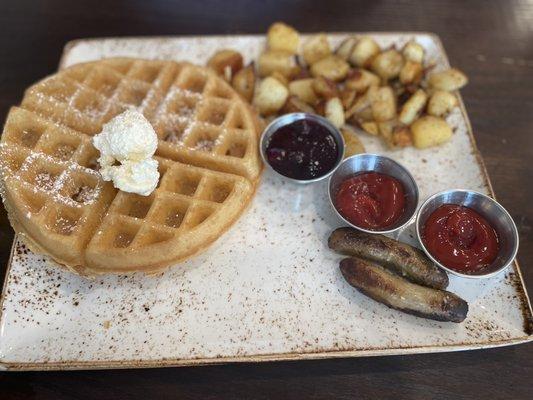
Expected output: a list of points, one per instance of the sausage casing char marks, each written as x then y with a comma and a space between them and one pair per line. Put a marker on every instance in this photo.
405, 260
388, 288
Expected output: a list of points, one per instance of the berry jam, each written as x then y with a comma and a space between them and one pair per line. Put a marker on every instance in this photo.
302, 150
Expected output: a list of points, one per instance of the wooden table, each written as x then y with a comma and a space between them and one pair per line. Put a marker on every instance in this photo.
491, 41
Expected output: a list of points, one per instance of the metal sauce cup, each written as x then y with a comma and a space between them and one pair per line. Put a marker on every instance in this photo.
289, 119
384, 165
487, 207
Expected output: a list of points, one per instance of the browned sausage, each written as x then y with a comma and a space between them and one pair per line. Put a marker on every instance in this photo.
388, 288
405, 260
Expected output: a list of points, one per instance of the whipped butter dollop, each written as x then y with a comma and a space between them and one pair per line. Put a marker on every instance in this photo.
127, 144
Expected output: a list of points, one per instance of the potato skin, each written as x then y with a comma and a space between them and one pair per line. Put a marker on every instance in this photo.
332, 67
413, 51
363, 52
303, 89
441, 103
244, 82
276, 61
352, 144
316, 48
361, 79
270, 96
413, 107
383, 103
334, 112
430, 131
449, 80
281, 36
346, 47
224, 59
387, 64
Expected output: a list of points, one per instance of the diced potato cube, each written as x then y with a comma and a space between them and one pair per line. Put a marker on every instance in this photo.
387, 64
303, 89
413, 107
411, 72
331, 67
412, 51
430, 131
334, 112
363, 52
226, 63
270, 96
449, 80
294, 104
316, 48
361, 79
370, 127
352, 144
361, 110
383, 103
347, 97
401, 137
280, 77
275, 60
386, 129
244, 82
283, 37
441, 103
325, 88
345, 49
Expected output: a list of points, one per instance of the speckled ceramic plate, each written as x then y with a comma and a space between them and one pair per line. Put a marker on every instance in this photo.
269, 289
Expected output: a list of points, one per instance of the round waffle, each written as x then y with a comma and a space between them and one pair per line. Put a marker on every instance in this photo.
57, 200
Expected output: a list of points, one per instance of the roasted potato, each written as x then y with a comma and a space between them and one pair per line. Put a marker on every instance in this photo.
345, 49
352, 143
430, 131
320, 107
386, 129
361, 79
413, 107
316, 48
370, 127
363, 52
383, 103
441, 103
226, 63
270, 96
414, 52
411, 73
280, 77
332, 67
303, 89
347, 97
283, 37
325, 88
401, 137
334, 112
387, 64
294, 104
449, 80
361, 110
276, 60
244, 82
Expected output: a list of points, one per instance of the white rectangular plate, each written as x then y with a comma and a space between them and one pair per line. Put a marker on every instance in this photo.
269, 289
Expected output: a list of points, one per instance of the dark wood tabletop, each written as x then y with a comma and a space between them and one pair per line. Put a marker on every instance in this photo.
492, 41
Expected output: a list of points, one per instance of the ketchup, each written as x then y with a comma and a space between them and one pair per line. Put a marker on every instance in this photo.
302, 150
371, 200
460, 238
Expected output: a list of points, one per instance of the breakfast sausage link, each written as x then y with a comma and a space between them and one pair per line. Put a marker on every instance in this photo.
388, 288
405, 260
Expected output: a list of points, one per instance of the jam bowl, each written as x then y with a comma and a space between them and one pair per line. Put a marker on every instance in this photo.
365, 163
490, 211
302, 148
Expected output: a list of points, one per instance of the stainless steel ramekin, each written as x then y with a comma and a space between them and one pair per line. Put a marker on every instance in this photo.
491, 210
384, 165
289, 119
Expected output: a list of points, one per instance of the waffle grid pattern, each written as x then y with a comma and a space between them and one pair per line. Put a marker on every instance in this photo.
207, 155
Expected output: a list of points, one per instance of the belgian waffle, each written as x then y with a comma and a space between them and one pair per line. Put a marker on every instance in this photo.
57, 201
